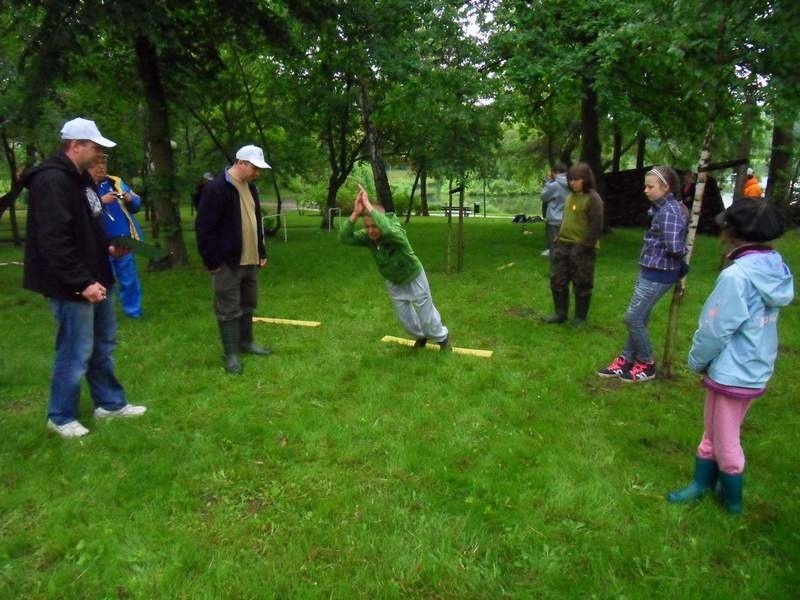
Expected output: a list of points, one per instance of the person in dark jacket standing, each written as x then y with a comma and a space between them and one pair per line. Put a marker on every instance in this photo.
230, 239
66, 260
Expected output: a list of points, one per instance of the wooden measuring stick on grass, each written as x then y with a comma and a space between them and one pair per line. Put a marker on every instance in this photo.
433, 346
286, 322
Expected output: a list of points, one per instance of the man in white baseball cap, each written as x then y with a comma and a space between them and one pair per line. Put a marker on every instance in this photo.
84, 129
66, 261
253, 155
230, 239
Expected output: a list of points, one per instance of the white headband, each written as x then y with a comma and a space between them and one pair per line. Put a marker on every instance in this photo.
659, 175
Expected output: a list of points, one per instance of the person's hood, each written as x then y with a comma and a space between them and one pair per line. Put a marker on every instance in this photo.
770, 276
58, 162
561, 179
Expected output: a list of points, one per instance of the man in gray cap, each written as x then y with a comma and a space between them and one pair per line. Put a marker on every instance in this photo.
231, 243
67, 261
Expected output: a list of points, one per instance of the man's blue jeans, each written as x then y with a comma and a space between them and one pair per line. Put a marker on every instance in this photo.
646, 294
86, 337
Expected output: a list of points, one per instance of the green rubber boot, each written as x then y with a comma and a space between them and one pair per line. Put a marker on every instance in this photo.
706, 472
730, 492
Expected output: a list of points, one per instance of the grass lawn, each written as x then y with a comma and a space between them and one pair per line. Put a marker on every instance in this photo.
344, 467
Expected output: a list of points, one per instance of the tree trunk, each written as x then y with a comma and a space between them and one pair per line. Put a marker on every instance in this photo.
423, 193
9, 199
749, 114
411, 198
379, 176
167, 217
641, 147
264, 146
334, 183
617, 155
590, 129
780, 161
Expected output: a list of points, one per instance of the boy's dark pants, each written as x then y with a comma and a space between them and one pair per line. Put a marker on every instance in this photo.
575, 263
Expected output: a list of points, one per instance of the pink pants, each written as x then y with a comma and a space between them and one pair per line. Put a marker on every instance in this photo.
722, 419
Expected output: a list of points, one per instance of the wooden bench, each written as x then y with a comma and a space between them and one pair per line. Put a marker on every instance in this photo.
464, 211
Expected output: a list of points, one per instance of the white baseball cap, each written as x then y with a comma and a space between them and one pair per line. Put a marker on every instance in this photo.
84, 129
749, 170
254, 155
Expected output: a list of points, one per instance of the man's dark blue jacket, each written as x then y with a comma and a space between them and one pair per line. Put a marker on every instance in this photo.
219, 224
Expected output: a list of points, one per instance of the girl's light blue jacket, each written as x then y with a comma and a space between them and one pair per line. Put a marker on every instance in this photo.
736, 341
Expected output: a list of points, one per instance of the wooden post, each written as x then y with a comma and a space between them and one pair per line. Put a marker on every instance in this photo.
460, 262
680, 287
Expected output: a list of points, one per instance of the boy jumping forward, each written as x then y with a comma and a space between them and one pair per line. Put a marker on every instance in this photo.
405, 277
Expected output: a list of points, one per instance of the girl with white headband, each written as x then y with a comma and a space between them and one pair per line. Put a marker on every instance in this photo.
661, 266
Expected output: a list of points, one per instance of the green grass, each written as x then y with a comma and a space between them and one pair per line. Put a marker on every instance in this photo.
343, 467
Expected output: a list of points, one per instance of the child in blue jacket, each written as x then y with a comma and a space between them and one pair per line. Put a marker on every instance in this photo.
119, 205
736, 344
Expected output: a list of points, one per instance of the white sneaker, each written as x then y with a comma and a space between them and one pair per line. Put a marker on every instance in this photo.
72, 429
129, 410
545, 253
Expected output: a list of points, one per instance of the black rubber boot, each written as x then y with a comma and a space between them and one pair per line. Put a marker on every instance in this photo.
246, 343
229, 333
581, 310
561, 304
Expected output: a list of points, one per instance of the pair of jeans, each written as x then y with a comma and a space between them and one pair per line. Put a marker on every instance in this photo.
85, 340
646, 295
130, 288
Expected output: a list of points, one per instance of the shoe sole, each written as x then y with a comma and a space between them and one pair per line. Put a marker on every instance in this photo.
67, 436
609, 375
640, 380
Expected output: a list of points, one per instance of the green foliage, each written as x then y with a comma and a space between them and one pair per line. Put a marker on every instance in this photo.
500, 103
344, 467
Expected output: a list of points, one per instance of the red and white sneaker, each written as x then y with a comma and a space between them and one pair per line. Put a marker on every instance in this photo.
640, 371
616, 368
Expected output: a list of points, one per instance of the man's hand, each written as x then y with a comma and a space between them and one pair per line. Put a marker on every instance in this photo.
109, 198
357, 208
118, 251
262, 262
366, 206
94, 293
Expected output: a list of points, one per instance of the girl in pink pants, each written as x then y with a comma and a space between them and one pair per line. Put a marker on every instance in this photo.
736, 344
723, 416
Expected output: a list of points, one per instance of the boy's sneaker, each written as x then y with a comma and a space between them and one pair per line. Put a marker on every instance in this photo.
420, 343
72, 429
640, 371
129, 410
616, 368
444, 345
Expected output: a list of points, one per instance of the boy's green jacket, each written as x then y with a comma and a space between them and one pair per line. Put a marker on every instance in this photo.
392, 253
